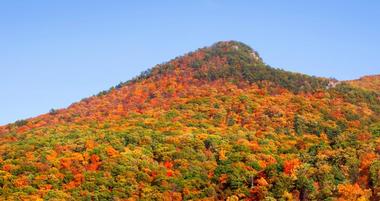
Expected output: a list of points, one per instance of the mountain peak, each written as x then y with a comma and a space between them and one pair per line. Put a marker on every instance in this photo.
231, 45
223, 59
231, 61
236, 46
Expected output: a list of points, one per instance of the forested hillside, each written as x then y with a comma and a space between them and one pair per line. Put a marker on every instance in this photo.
215, 124
368, 82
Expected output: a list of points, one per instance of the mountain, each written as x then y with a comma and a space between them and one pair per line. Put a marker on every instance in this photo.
215, 124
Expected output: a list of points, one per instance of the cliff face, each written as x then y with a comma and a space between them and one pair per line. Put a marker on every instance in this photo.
215, 123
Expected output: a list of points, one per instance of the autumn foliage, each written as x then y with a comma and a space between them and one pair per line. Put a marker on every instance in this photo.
214, 124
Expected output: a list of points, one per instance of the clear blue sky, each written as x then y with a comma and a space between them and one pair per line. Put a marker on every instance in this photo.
53, 53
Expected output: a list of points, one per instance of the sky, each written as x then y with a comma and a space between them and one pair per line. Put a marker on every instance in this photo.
54, 53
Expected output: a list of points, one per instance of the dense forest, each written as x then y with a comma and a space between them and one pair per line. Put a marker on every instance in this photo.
215, 124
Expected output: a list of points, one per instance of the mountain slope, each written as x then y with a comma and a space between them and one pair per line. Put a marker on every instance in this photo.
213, 124
368, 82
